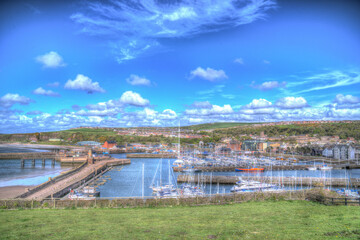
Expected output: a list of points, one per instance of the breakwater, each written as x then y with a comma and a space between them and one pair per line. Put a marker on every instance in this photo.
266, 168
151, 155
289, 181
28, 155
61, 185
232, 168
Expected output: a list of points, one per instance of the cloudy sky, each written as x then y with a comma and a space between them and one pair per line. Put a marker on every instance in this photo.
131, 63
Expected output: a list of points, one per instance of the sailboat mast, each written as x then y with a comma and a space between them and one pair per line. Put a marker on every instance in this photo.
142, 190
169, 173
179, 142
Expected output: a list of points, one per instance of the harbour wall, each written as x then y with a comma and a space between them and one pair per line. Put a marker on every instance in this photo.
288, 181
151, 155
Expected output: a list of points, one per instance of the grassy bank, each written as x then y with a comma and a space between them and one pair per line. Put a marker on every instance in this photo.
252, 220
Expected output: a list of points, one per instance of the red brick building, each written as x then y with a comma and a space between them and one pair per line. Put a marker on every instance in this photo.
234, 145
109, 144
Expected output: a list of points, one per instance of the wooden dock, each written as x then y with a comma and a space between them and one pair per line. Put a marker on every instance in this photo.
288, 181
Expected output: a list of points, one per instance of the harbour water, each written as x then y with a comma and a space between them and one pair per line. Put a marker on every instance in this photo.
127, 182
12, 174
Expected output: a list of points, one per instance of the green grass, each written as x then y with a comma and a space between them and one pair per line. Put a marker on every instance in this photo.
91, 131
252, 220
217, 125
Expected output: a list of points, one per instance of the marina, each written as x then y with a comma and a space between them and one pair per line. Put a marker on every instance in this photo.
183, 176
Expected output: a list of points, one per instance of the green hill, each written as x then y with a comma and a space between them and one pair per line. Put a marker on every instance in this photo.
211, 126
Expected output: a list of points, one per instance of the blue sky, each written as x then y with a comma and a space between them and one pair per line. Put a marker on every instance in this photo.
152, 63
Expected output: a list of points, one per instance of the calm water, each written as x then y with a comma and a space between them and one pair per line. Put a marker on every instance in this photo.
127, 182
12, 174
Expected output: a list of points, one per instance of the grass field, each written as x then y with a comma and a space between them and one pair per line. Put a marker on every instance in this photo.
217, 125
252, 220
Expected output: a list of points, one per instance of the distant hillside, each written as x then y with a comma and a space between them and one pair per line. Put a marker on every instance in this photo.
342, 129
217, 125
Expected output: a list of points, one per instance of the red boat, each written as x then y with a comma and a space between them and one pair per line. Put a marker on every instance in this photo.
249, 169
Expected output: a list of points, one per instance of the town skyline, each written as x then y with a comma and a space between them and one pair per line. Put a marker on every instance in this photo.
130, 64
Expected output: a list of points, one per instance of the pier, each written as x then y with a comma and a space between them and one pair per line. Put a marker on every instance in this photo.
33, 161
288, 181
28, 155
62, 184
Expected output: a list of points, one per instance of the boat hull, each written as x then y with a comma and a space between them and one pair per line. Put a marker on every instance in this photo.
249, 169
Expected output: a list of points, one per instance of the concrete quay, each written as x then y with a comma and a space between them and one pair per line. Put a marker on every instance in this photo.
232, 168
288, 181
61, 185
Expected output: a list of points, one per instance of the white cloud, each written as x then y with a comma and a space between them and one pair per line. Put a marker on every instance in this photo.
168, 114
215, 109
138, 81
208, 74
291, 102
347, 99
181, 13
41, 91
266, 61
265, 86
9, 99
239, 61
327, 80
133, 98
138, 25
258, 103
84, 83
51, 60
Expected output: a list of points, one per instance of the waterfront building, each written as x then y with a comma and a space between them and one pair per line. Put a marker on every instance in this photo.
328, 152
109, 144
346, 152
234, 145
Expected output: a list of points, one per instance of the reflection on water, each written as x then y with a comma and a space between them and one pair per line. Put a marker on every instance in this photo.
127, 182
11, 172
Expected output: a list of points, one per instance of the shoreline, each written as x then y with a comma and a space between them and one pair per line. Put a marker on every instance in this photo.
10, 192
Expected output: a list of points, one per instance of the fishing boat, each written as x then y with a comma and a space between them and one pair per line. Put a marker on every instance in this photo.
311, 168
252, 186
325, 167
188, 190
164, 191
87, 193
249, 169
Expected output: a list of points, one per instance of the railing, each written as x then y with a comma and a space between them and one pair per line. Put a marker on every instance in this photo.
344, 201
